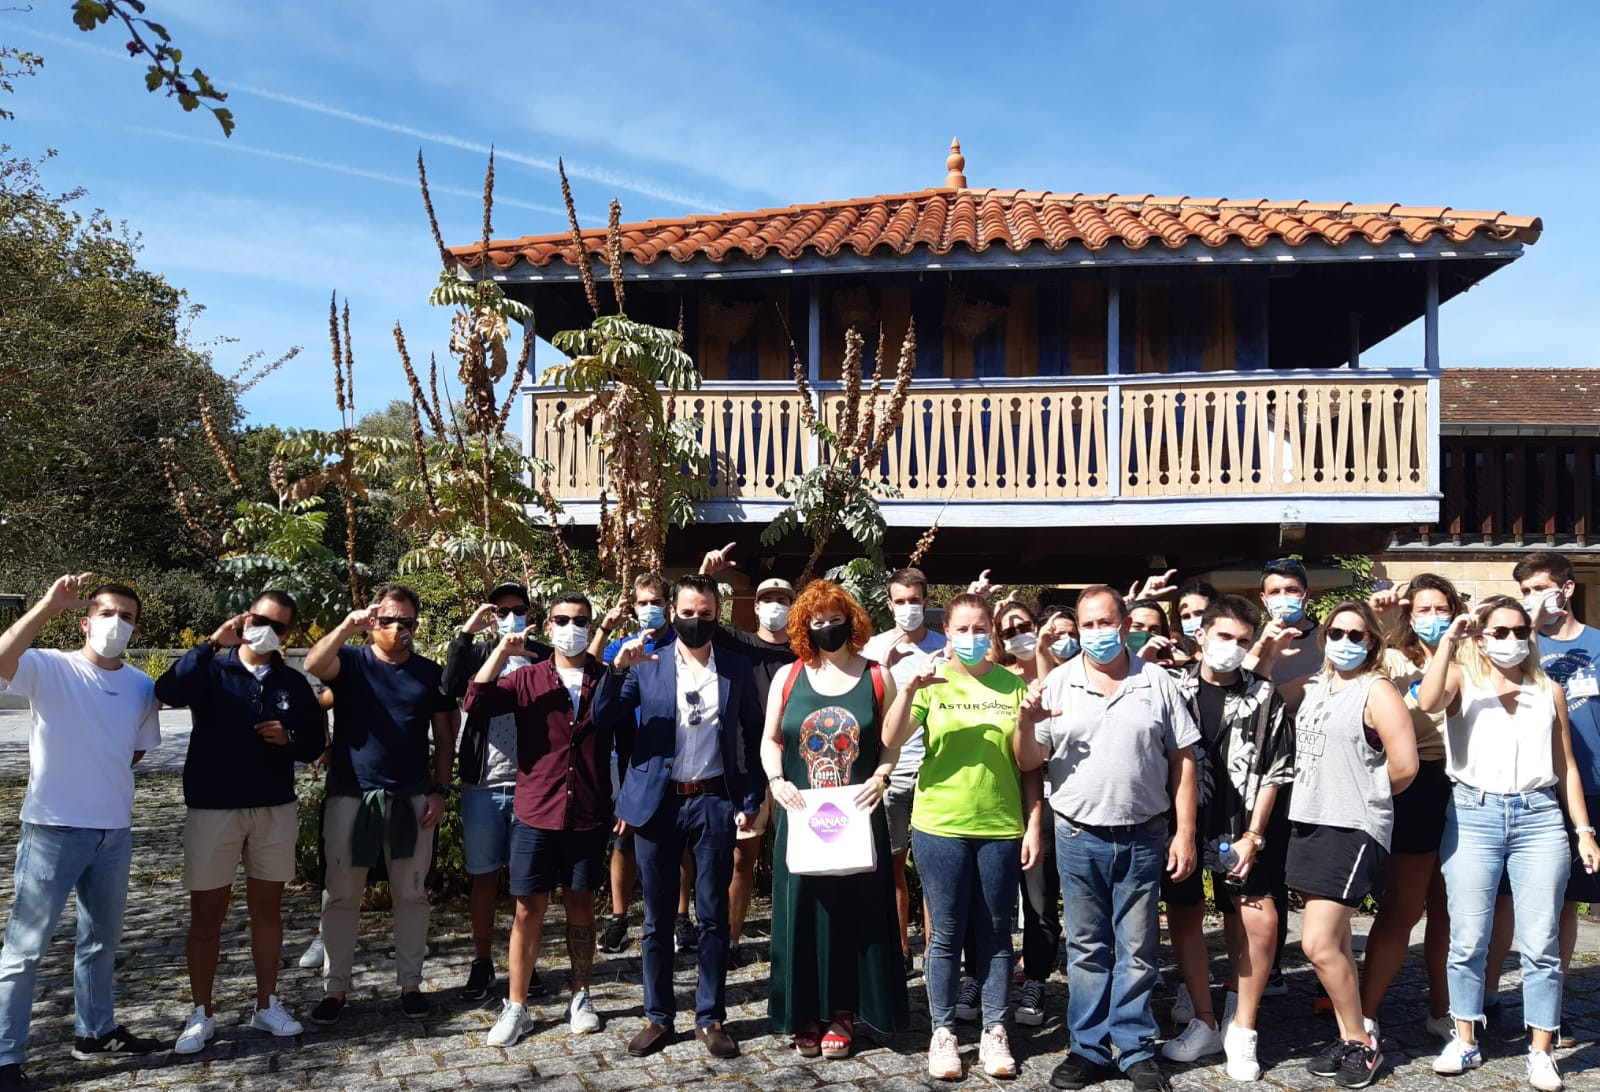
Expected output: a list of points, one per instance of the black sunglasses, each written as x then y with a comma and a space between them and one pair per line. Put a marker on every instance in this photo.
506, 612
280, 628
569, 620
1337, 634
693, 698
1012, 631
403, 623
1500, 633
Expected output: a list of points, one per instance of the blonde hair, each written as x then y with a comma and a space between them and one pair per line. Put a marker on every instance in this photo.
1475, 662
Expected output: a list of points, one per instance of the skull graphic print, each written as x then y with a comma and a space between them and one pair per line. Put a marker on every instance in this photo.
830, 741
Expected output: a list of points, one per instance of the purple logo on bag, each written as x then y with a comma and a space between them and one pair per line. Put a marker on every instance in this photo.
829, 822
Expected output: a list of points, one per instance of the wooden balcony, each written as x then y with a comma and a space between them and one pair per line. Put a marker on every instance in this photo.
1343, 446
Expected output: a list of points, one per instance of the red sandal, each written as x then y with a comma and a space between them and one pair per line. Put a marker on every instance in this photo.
836, 1043
807, 1043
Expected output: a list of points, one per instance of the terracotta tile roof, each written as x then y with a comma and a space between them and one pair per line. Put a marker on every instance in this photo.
942, 220
1520, 396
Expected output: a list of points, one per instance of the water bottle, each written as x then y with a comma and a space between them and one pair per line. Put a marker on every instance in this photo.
1228, 857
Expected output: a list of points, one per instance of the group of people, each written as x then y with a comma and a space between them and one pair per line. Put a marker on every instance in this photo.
1091, 762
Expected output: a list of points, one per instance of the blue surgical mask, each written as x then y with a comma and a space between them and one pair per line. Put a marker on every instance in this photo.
1102, 645
1066, 648
1288, 609
1191, 626
511, 623
651, 616
970, 647
1346, 655
1430, 627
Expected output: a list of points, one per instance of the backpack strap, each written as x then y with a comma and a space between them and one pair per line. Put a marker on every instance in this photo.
877, 684
788, 687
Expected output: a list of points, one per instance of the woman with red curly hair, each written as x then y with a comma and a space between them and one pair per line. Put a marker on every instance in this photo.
835, 939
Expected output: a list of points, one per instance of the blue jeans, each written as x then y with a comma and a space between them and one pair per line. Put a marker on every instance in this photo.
51, 863
703, 825
1523, 835
1110, 890
968, 881
486, 827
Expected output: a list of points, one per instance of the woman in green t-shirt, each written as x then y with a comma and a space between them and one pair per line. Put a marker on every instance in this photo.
967, 827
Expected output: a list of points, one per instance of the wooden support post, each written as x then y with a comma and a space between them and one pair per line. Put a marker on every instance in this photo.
1355, 339
1583, 490
1551, 454
814, 370
1119, 466
1430, 321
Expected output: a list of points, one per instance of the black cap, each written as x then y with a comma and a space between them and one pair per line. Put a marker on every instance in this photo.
506, 587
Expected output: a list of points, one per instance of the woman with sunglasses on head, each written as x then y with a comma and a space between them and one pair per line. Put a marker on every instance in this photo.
967, 825
1508, 749
1021, 654
1354, 751
1416, 621
835, 939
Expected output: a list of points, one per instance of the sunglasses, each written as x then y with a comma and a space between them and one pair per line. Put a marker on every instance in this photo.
693, 698
1337, 634
280, 628
1011, 631
507, 612
569, 620
391, 620
1500, 633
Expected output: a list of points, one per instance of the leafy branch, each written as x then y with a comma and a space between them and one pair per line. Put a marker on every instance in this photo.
148, 38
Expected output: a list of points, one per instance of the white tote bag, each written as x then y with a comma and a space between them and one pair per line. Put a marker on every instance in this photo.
832, 837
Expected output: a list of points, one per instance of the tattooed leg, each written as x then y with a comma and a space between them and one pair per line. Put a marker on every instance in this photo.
580, 950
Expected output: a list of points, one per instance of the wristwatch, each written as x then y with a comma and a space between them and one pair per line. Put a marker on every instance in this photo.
1261, 843
441, 790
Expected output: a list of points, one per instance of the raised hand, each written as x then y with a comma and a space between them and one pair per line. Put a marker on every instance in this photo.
1033, 710
364, 620
617, 614
1156, 649
983, 587
1276, 639
514, 644
67, 593
717, 561
632, 652
1382, 602
230, 633
1154, 587
925, 676
481, 619
1462, 626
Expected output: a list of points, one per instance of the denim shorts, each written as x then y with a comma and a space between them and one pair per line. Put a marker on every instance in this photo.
486, 828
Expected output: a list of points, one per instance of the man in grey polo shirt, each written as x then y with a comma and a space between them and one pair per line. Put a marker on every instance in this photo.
1118, 740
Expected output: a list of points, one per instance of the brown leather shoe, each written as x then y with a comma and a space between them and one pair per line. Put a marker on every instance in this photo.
651, 1038
719, 1044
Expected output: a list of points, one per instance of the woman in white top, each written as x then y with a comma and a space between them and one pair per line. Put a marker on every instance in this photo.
1508, 749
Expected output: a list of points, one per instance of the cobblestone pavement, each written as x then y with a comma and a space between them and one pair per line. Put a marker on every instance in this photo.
374, 1047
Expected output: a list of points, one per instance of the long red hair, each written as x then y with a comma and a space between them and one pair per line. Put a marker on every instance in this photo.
825, 597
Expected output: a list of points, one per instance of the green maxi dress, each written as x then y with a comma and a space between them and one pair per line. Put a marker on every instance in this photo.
835, 939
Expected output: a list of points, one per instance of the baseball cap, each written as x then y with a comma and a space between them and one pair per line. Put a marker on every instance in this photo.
506, 587
774, 584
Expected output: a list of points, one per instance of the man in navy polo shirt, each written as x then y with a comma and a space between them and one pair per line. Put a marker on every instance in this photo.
382, 796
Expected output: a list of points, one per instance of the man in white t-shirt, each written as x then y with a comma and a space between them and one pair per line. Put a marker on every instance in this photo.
93, 718
903, 650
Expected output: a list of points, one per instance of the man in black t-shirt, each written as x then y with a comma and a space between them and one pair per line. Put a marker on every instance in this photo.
382, 795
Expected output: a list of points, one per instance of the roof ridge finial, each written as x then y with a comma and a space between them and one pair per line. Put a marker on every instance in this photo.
956, 164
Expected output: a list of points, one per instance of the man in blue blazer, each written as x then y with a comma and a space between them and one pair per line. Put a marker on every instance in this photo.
692, 781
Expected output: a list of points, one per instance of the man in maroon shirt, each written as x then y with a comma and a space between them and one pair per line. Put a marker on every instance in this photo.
562, 805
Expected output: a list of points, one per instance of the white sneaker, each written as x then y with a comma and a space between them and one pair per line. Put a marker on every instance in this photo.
944, 1056
1199, 1040
994, 1053
513, 1024
1458, 1056
311, 958
1240, 1046
1442, 1026
1183, 1007
197, 1030
275, 1019
1542, 1072
581, 1017
969, 1002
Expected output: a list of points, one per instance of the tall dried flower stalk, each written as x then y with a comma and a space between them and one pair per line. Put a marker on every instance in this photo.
580, 253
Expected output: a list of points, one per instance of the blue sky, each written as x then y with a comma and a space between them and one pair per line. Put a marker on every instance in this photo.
681, 108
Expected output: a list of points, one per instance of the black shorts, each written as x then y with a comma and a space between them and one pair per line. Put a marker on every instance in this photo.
1335, 863
1419, 810
543, 860
1583, 886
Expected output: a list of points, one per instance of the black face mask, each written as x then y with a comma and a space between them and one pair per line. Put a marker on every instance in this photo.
694, 632
830, 638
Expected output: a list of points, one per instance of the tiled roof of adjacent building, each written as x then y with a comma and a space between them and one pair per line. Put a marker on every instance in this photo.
956, 217
1541, 397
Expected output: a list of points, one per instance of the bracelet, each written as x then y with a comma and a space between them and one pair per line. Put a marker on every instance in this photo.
1583, 830
774, 777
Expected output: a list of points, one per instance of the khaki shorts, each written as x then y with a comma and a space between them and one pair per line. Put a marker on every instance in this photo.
215, 840
763, 817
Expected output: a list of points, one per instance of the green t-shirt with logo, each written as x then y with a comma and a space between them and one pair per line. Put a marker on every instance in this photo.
969, 785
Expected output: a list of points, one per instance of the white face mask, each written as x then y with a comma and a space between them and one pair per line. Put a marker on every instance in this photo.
772, 616
1022, 644
263, 640
569, 640
1508, 652
908, 617
109, 635
1224, 657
